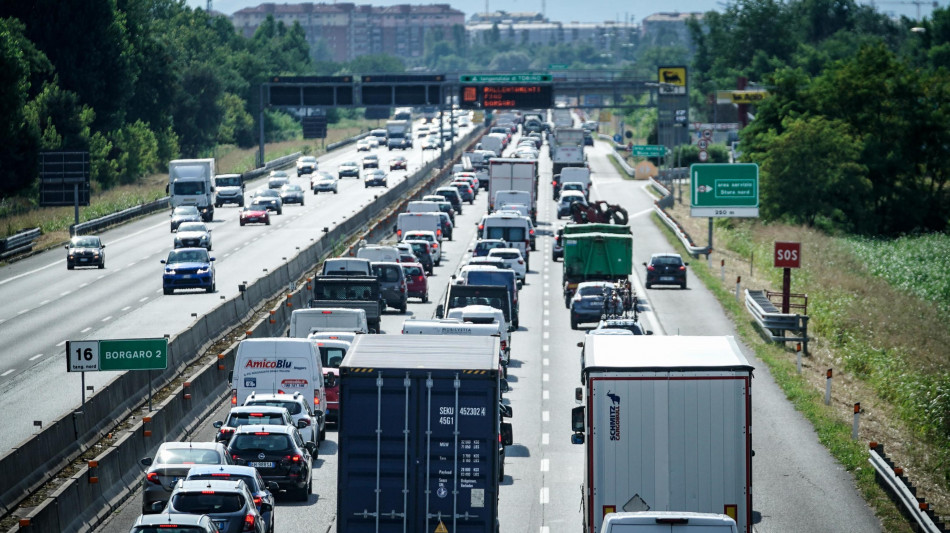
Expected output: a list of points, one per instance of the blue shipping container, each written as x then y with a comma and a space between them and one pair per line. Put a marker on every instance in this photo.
418, 435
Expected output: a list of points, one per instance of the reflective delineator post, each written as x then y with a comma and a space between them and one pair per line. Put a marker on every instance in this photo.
738, 285
857, 419
828, 387
798, 359
722, 270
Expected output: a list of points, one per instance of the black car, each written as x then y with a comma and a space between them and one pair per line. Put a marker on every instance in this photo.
184, 213
392, 284
278, 453
421, 249
374, 177
666, 269
452, 195
85, 250
587, 304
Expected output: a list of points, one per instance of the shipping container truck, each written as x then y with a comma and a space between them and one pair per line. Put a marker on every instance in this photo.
567, 149
421, 435
666, 425
190, 182
595, 257
511, 174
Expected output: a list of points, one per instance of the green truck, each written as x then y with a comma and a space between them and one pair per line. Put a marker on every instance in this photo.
596, 256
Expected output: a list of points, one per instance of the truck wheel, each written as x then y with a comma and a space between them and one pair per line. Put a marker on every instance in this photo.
322, 435
573, 322
166, 290
403, 308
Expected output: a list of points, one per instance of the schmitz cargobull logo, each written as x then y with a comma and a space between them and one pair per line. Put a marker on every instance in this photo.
614, 415
275, 364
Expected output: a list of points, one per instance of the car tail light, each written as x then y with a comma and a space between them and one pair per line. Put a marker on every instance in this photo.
249, 521
262, 433
316, 397
650, 268
207, 492
434, 245
233, 396
520, 262
295, 458
504, 345
481, 227
682, 267
153, 477
328, 312
258, 501
398, 233
438, 232
531, 232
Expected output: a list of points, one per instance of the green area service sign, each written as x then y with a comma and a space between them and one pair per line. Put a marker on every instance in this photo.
117, 354
724, 190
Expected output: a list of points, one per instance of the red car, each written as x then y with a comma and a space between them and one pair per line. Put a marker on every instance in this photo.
255, 213
416, 281
397, 163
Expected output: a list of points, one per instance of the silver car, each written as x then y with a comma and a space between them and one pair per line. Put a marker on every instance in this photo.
291, 194
193, 235
324, 182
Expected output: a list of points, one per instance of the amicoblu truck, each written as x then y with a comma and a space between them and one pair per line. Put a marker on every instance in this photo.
420, 436
666, 423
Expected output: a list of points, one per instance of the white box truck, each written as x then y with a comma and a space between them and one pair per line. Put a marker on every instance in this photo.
398, 134
407, 222
666, 423
510, 174
190, 183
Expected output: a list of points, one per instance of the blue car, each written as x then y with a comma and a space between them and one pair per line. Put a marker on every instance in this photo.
188, 268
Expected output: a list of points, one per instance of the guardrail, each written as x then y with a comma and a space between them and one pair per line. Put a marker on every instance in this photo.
79, 504
97, 224
19, 242
622, 161
904, 492
773, 322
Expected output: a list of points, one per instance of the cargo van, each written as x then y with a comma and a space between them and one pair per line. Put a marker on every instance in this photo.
378, 253
278, 366
407, 222
346, 266
667, 521
304, 322
484, 314
455, 326
511, 228
487, 275
332, 352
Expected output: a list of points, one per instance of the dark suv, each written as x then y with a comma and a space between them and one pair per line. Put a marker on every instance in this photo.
278, 453
229, 504
452, 195
392, 284
421, 249
666, 269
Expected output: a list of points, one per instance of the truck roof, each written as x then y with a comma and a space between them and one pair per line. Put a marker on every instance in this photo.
436, 352
662, 353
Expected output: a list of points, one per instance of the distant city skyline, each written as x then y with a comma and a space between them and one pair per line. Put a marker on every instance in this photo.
569, 10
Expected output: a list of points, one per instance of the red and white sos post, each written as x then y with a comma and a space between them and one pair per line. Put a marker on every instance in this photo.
788, 255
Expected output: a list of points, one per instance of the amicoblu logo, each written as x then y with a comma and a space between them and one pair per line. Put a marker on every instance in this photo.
614, 415
279, 363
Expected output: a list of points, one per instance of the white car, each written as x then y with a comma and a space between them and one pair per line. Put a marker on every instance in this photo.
324, 182
513, 260
298, 407
306, 165
363, 145
430, 237
373, 141
193, 235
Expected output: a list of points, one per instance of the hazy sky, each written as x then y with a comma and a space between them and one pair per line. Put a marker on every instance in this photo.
568, 10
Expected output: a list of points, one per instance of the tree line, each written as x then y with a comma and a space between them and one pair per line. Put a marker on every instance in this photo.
855, 135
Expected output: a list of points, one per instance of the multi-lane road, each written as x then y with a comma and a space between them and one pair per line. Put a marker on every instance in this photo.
797, 486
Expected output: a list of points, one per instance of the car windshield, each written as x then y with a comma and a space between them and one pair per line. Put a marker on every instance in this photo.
240, 419
87, 242
308, 159
667, 260
191, 226
207, 502
260, 441
187, 456
187, 256
189, 187
332, 357
370, 157
292, 407
279, 174
186, 210
348, 164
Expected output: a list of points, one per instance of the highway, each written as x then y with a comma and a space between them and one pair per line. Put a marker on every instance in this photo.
48, 305
797, 486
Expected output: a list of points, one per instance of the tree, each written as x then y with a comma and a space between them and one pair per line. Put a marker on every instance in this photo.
18, 140
375, 64
510, 61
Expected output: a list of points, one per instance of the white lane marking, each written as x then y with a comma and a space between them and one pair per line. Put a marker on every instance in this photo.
545, 416
66, 293
547, 312
545, 529
44, 302
546, 285
545, 395
546, 335
545, 465
143, 299
545, 496
546, 277
547, 322
545, 439
108, 318
545, 347
547, 293
545, 361
83, 285
23, 311
132, 264
126, 308
85, 330
35, 357
7, 373
158, 291
61, 344
103, 275
545, 377
546, 303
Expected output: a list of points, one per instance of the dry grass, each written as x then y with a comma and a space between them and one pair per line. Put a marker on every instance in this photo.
55, 221
855, 318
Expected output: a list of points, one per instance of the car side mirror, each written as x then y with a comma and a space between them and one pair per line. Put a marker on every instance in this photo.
506, 411
685, 264
505, 387
649, 332
507, 434
440, 311
303, 423
580, 345
162, 261
644, 264
577, 419
146, 461
67, 247
212, 259
273, 486
311, 447
103, 246
577, 438
266, 507
218, 424
158, 507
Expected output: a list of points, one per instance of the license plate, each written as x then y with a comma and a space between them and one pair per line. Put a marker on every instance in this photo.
222, 524
261, 464
83, 259
666, 278
187, 276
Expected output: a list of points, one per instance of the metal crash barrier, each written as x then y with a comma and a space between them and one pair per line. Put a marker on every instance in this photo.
774, 322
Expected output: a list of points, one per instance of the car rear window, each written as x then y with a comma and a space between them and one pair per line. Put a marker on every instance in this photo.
240, 419
264, 442
506, 255
206, 502
186, 456
591, 291
413, 271
332, 357
388, 273
351, 291
248, 480
420, 236
667, 260
292, 407
168, 527
506, 233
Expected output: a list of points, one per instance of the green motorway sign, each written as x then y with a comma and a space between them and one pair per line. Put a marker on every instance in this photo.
724, 190
117, 354
648, 150
506, 78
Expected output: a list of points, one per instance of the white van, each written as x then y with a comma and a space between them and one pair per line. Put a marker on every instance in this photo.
304, 322
664, 521
347, 266
484, 314
456, 326
278, 366
378, 253
422, 206
503, 198
419, 222
511, 228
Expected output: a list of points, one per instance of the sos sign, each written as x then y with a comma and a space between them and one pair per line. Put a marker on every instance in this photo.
788, 255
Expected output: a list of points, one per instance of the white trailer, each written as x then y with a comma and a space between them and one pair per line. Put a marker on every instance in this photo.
190, 183
666, 423
513, 174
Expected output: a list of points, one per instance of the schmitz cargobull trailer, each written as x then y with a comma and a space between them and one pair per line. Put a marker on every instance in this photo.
666, 422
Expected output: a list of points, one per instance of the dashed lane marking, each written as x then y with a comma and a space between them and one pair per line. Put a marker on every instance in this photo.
545, 416
545, 439
35, 357
7, 373
85, 330
545, 395
545, 465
